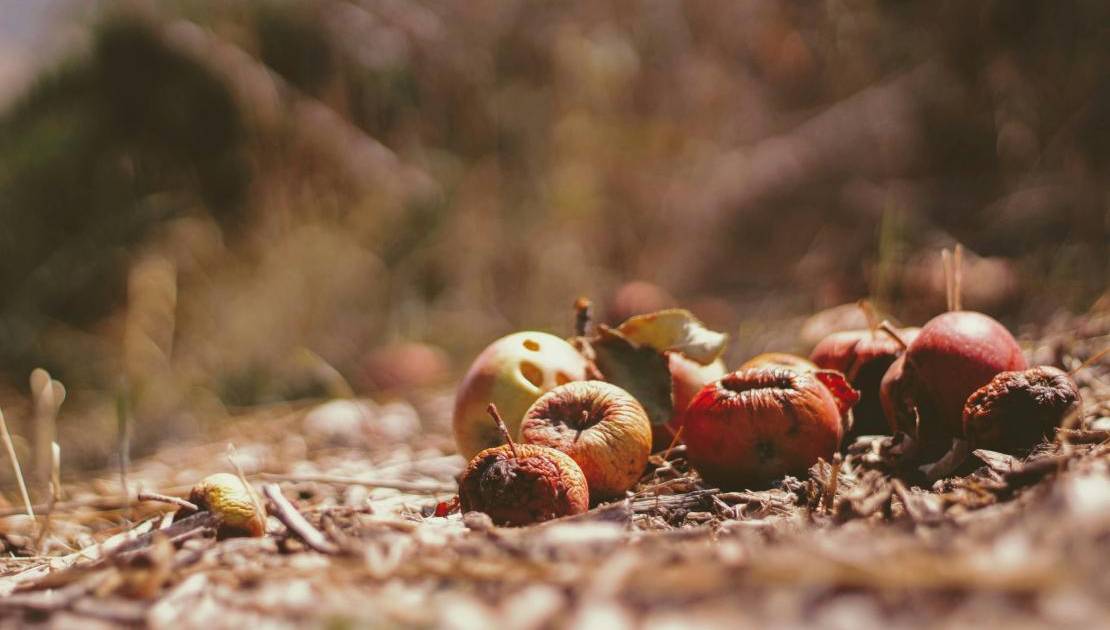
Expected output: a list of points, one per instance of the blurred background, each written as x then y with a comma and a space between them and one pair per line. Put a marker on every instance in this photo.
212, 204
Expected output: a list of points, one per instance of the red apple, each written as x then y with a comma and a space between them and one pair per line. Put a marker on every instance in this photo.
864, 356
756, 425
955, 354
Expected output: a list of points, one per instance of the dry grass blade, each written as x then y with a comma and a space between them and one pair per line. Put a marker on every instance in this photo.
10, 447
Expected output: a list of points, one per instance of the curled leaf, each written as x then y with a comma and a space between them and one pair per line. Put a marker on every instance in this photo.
675, 330
640, 371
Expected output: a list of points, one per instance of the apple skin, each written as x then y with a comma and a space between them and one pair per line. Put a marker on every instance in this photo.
756, 425
688, 377
511, 373
955, 354
864, 356
600, 426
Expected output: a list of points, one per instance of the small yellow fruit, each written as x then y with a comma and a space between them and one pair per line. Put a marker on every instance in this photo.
224, 495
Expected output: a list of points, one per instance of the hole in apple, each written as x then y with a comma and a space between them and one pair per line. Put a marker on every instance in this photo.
748, 380
532, 345
532, 373
562, 378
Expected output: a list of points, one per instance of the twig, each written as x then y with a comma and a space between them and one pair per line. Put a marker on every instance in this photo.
7, 437
1091, 360
957, 278
834, 479
163, 498
123, 426
296, 522
946, 258
415, 487
907, 500
231, 452
492, 410
674, 442
886, 327
582, 316
55, 492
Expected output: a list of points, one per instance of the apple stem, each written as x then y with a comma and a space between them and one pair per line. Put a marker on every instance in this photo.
957, 277
1091, 360
888, 329
674, 442
492, 409
582, 316
946, 259
869, 314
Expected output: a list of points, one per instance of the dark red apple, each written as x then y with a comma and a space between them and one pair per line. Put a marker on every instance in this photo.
863, 356
955, 354
756, 425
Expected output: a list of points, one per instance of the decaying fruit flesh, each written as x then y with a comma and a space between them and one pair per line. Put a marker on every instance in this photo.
756, 425
1018, 409
521, 484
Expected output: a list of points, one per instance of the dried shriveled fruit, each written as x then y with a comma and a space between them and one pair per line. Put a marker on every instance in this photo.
1017, 409
520, 484
224, 495
601, 426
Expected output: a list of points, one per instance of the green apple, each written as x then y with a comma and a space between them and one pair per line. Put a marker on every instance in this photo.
511, 373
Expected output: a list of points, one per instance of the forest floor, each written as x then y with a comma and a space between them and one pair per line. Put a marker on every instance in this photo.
995, 541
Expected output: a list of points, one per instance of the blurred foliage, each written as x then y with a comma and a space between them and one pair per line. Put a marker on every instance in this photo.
757, 160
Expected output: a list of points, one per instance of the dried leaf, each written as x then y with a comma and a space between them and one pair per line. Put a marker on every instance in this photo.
641, 371
675, 330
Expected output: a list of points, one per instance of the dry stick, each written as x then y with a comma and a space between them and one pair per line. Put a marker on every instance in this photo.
674, 442
869, 314
907, 500
415, 487
834, 479
231, 452
7, 437
55, 492
165, 498
581, 316
123, 427
1091, 360
888, 329
296, 522
946, 259
492, 410
957, 278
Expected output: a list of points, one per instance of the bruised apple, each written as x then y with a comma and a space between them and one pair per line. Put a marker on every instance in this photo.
756, 425
688, 377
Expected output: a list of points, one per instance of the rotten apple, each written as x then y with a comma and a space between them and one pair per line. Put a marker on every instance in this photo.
756, 425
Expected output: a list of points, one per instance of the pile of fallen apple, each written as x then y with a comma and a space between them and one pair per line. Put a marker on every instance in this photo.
552, 425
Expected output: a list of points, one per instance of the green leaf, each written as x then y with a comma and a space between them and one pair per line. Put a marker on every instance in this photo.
675, 330
641, 371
